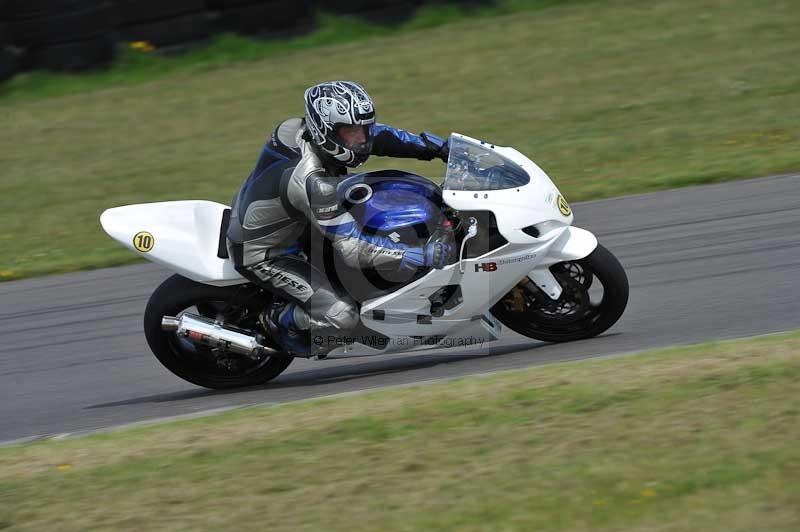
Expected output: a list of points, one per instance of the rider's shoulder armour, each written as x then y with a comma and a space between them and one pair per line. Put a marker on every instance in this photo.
308, 168
284, 138
322, 197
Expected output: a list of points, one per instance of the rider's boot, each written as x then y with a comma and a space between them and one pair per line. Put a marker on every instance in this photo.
290, 325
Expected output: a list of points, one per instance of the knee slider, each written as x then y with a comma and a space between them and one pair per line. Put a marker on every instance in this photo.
342, 315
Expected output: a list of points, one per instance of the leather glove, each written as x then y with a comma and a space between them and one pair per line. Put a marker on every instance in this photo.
435, 254
438, 146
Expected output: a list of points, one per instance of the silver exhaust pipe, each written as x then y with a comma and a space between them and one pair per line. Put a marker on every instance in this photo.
212, 334
170, 324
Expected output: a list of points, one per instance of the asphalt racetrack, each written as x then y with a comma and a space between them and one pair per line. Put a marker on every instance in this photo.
704, 263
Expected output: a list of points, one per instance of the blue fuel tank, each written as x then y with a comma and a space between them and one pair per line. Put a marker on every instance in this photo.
402, 206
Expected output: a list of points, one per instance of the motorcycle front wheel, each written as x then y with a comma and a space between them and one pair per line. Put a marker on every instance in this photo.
198, 364
594, 296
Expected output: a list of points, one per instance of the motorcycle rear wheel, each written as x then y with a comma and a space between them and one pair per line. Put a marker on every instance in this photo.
574, 316
197, 364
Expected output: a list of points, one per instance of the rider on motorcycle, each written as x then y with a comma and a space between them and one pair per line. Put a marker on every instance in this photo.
294, 185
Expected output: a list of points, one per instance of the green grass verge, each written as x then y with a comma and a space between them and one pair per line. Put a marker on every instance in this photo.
608, 97
692, 438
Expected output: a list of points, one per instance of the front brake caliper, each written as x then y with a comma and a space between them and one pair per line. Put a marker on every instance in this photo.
515, 299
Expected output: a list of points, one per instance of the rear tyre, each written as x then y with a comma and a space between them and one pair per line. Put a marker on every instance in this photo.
200, 365
580, 312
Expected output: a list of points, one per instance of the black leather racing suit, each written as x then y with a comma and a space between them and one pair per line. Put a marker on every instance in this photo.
290, 188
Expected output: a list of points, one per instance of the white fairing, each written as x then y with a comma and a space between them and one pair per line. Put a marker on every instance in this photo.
514, 208
185, 237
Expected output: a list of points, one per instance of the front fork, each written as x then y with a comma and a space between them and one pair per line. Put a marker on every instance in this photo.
544, 279
573, 244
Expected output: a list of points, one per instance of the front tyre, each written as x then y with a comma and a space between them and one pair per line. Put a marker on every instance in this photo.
594, 296
198, 364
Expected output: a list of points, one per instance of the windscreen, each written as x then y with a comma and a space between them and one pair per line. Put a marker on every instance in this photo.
475, 166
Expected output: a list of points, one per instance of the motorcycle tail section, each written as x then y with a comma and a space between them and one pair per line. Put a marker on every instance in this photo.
183, 236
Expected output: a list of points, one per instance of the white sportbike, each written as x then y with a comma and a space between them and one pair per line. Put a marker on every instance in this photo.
517, 262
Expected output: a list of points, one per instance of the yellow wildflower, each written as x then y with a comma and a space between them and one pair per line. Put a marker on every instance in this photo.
143, 46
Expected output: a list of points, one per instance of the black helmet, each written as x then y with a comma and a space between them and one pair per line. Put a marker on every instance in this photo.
339, 118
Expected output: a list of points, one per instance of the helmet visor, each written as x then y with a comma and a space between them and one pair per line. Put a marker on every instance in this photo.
357, 138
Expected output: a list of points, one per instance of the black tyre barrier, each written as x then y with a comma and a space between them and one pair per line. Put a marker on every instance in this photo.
22, 9
177, 30
225, 4
8, 58
274, 17
392, 14
386, 12
127, 12
74, 35
61, 28
8, 63
466, 4
74, 56
350, 6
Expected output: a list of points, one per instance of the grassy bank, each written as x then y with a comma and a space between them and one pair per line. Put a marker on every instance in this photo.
693, 438
609, 97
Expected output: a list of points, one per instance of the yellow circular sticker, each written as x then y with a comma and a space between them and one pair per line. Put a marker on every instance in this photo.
563, 206
143, 241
